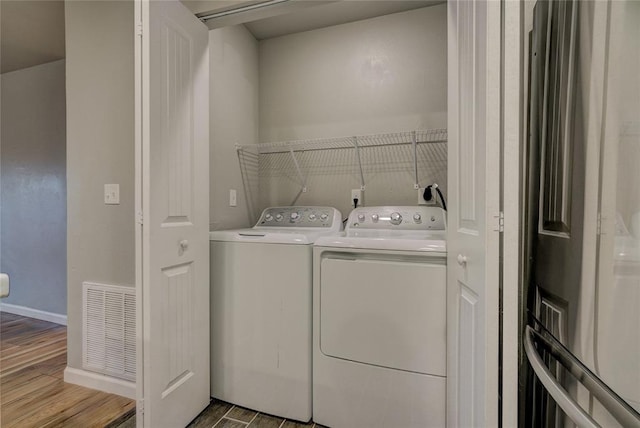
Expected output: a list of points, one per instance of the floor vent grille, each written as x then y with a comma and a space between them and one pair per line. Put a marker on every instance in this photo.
109, 330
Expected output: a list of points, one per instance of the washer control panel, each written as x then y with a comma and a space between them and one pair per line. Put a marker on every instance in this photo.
398, 218
317, 217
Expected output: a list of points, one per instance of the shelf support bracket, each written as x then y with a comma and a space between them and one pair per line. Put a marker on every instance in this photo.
355, 144
303, 180
414, 143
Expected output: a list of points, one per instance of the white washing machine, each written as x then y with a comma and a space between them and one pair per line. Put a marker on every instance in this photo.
261, 310
379, 320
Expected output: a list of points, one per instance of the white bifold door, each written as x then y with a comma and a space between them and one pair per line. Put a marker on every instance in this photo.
474, 220
172, 154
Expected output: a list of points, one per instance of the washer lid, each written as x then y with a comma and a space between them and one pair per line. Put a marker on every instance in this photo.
269, 235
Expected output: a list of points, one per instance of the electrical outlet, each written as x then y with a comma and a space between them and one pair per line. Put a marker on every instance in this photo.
359, 195
233, 198
112, 194
422, 200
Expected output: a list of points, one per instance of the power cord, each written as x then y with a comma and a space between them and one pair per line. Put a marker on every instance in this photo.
427, 195
355, 205
444, 204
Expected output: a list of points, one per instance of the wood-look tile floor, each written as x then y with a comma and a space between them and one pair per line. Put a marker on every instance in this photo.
225, 415
33, 356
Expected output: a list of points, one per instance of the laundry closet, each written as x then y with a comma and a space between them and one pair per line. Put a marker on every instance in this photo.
270, 84
341, 116
306, 109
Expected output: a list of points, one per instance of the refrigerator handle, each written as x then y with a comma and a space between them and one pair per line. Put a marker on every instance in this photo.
559, 394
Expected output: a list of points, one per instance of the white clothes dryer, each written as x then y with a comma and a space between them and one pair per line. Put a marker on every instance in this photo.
261, 310
379, 320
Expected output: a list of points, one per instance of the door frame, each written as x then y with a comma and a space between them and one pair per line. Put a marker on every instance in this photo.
513, 136
138, 97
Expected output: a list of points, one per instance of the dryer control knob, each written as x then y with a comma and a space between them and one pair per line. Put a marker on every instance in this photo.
323, 216
417, 218
268, 217
396, 218
375, 218
294, 216
312, 217
279, 217
360, 218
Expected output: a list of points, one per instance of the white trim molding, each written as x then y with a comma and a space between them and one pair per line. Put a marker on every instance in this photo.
33, 313
100, 382
513, 141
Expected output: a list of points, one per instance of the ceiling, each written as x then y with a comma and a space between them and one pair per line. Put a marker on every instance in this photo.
329, 14
294, 16
32, 31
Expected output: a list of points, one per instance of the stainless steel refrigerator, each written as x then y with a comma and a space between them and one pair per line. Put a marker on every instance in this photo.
580, 343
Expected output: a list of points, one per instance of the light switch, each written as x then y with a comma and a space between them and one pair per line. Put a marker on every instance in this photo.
4, 285
233, 199
112, 194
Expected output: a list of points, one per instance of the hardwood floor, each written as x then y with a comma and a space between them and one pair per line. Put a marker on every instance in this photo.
33, 356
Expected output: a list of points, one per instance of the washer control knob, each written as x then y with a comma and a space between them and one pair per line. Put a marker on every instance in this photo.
279, 217
433, 218
417, 218
312, 217
294, 216
268, 217
323, 216
360, 218
396, 218
375, 218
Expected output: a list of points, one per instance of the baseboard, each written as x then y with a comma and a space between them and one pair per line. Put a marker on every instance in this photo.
100, 382
33, 313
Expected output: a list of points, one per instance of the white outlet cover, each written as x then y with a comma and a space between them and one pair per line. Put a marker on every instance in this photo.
4, 285
359, 195
112, 194
233, 198
422, 201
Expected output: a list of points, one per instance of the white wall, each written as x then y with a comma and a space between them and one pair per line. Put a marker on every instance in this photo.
100, 150
33, 187
379, 75
233, 54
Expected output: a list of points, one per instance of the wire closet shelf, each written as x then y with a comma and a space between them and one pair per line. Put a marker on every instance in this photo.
351, 142
368, 153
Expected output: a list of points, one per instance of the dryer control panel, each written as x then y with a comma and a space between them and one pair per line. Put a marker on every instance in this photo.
398, 218
315, 217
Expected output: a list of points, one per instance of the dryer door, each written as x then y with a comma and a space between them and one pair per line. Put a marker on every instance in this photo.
389, 312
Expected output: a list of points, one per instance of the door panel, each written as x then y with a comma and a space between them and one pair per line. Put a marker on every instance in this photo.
175, 242
471, 122
473, 238
468, 346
